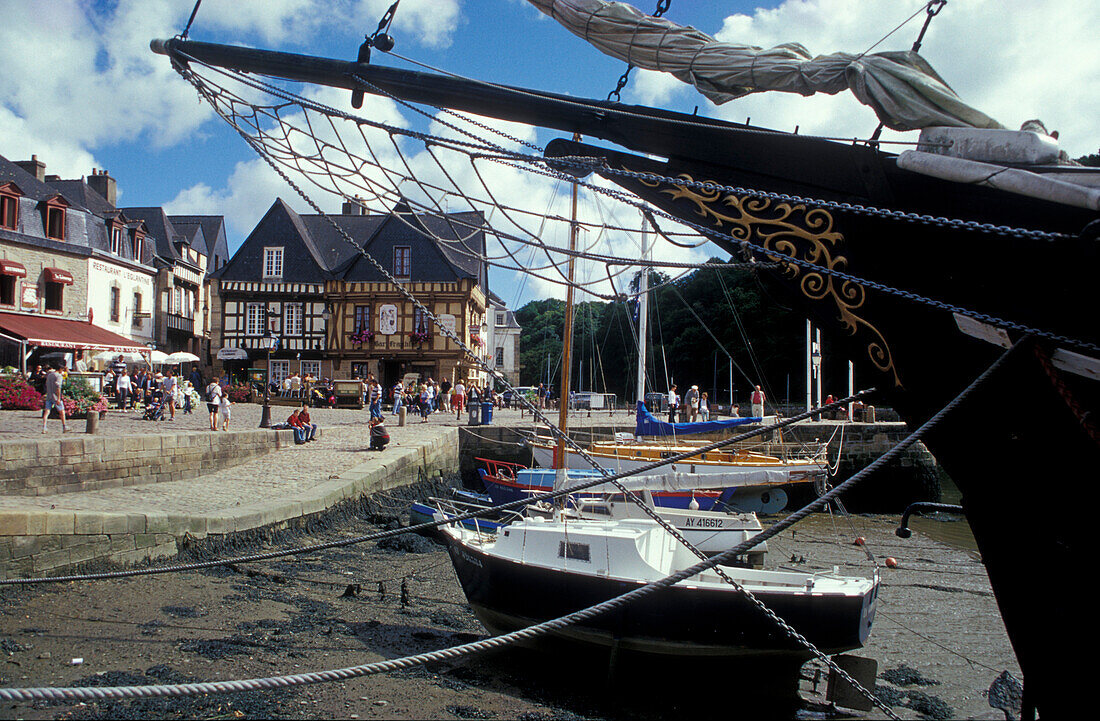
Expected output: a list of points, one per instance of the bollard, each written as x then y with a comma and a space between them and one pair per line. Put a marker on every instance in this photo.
92, 423
401, 417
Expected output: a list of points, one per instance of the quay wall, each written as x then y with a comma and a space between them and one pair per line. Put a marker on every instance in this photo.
75, 462
37, 542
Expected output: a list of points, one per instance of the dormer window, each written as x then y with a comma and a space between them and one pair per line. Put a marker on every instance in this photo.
9, 206
54, 218
116, 238
137, 244
273, 263
402, 261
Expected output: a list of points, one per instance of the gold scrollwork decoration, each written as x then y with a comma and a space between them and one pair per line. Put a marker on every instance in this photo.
793, 231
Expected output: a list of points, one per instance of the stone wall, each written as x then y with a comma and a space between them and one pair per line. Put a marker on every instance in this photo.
37, 542
74, 463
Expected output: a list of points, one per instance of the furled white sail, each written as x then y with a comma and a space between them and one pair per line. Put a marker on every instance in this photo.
902, 88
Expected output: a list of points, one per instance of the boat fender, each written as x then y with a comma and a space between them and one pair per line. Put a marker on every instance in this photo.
860, 540
891, 562
694, 505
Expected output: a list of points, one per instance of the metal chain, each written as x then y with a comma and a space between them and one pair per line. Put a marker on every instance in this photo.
529, 633
662, 8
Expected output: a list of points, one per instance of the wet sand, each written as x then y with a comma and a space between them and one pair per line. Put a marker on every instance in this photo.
936, 623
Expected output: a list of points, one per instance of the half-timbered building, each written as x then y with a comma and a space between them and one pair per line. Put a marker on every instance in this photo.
335, 314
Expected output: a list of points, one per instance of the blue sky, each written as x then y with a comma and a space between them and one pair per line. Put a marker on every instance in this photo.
82, 90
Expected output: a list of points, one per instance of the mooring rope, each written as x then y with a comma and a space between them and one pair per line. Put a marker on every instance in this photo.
526, 634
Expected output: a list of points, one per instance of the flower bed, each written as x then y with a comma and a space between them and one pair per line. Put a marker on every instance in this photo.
77, 395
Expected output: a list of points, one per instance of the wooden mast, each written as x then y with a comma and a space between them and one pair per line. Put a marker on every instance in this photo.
567, 344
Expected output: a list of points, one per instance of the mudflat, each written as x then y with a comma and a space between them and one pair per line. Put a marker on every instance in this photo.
937, 638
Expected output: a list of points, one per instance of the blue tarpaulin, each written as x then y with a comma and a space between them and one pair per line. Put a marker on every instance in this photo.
648, 425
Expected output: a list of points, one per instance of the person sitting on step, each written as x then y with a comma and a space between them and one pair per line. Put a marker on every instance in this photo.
379, 436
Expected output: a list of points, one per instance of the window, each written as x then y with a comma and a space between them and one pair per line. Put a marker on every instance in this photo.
502, 319
255, 320
578, 551
137, 310
362, 318
7, 290
312, 368
116, 295
280, 370
137, 244
292, 319
116, 239
55, 222
402, 261
9, 206
273, 262
500, 357
54, 296
420, 321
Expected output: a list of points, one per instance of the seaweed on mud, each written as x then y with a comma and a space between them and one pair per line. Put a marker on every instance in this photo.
151, 628
9, 647
469, 712
907, 676
241, 704
182, 611
928, 706
219, 648
408, 543
890, 695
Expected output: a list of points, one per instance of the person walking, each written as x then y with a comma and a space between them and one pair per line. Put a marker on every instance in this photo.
425, 402
168, 385
458, 399
51, 383
398, 396
374, 388
124, 388
758, 399
673, 404
196, 377
704, 408
213, 398
223, 411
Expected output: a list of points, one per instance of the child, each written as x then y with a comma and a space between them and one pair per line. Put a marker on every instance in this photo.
379, 436
223, 411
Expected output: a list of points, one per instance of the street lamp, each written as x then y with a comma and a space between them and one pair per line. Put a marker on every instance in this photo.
268, 343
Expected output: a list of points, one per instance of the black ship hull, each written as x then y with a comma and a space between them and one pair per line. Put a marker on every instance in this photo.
681, 621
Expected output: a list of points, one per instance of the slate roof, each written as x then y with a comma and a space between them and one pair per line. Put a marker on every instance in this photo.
159, 228
215, 246
314, 251
31, 186
80, 193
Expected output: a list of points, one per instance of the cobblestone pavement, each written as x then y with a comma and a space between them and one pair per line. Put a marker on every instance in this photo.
278, 474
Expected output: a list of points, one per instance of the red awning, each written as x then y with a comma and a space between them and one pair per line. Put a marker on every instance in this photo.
10, 267
56, 275
50, 332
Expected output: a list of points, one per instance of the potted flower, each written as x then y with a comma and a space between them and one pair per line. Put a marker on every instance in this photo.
476, 342
359, 337
418, 336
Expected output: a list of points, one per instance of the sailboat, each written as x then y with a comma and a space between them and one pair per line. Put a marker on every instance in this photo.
910, 263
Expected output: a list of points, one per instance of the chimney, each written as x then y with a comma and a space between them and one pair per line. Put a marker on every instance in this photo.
35, 167
102, 183
353, 207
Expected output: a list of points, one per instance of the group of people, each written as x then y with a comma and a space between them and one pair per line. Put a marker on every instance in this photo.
693, 407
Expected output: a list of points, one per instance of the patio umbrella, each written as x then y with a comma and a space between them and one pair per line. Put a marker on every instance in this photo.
158, 357
181, 357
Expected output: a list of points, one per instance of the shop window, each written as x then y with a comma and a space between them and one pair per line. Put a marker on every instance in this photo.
7, 290
280, 370
55, 293
312, 368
